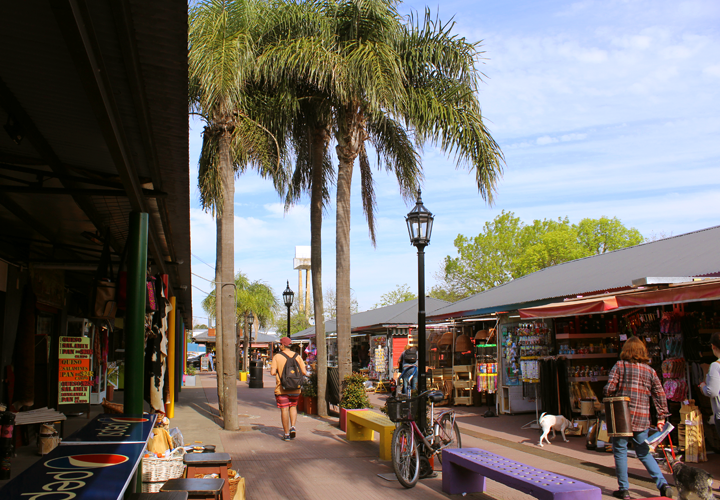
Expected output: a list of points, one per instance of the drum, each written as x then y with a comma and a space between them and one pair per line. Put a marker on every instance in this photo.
617, 416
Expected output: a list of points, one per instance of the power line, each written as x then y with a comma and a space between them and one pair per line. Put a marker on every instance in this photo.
203, 291
198, 258
202, 278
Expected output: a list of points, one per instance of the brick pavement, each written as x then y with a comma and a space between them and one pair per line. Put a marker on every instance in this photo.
320, 463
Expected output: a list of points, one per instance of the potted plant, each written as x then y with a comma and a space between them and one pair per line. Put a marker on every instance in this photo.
310, 392
353, 396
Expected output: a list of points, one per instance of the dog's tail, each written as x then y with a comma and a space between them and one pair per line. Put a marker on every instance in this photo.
541, 416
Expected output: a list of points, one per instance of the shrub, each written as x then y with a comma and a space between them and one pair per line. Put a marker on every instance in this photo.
310, 387
190, 370
354, 396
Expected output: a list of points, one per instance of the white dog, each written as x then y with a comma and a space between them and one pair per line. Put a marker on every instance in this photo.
554, 422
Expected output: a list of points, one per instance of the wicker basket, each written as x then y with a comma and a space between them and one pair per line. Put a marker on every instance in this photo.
152, 487
113, 408
402, 410
233, 484
162, 469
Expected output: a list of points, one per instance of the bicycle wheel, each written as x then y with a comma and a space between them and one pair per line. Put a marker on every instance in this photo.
405, 456
448, 434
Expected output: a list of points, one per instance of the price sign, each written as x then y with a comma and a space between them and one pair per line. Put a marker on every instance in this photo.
75, 375
623, 337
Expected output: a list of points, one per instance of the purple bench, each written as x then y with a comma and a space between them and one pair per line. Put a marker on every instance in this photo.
465, 469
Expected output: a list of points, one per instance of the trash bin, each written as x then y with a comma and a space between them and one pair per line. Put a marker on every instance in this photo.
256, 374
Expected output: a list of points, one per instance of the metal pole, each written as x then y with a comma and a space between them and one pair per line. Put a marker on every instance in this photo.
135, 315
422, 353
288, 331
170, 406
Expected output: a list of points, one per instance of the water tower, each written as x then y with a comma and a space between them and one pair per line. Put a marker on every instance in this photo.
302, 263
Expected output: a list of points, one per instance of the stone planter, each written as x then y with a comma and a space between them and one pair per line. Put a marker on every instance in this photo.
189, 380
311, 405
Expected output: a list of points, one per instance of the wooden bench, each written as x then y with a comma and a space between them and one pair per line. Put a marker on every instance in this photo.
465, 470
361, 426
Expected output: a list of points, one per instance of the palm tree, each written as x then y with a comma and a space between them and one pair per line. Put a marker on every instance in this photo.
257, 298
251, 297
416, 72
221, 52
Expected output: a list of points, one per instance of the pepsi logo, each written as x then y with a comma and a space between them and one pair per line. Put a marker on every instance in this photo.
89, 461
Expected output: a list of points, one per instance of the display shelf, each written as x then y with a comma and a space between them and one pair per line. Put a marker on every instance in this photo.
574, 336
592, 356
589, 379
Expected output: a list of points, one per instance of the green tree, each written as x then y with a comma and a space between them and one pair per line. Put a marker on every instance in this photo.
401, 293
298, 320
605, 235
507, 249
330, 301
200, 327
253, 297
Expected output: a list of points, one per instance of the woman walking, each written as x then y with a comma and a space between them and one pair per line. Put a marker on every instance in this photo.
633, 377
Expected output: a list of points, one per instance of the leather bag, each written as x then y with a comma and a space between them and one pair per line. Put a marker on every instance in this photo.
102, 302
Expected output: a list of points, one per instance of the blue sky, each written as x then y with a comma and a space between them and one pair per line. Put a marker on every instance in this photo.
601, 108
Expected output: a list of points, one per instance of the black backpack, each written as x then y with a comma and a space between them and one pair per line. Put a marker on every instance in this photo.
291, 377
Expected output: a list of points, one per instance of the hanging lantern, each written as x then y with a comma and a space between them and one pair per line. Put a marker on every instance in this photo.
463, 343
446, 339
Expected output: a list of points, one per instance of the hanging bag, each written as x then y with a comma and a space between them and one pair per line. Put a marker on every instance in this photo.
617, 412
102, 299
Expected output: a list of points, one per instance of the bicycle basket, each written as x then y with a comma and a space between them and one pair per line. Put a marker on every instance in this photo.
402, 410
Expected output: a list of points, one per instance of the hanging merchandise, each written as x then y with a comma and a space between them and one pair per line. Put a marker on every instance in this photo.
487, 377
511, 352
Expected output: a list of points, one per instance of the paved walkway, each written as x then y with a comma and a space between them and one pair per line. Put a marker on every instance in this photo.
320, 463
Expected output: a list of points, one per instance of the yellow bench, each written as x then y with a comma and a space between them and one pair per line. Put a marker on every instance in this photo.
361, 426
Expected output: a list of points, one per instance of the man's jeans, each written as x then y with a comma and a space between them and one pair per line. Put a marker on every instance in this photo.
620, 445
409, 379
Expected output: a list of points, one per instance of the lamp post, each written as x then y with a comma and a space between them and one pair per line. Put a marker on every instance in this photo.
248, 340
419, 222
288, 299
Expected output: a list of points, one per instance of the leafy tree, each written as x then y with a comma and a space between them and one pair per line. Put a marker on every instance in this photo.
507, 249
200, 327
330, 302
605, 235
298, 320
401, 293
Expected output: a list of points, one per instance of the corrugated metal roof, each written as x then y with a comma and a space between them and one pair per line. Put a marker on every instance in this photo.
100, 91
404, 313
691, 254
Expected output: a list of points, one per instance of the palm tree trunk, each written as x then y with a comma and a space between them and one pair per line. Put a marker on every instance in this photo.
349, 137
320, 138
230, 414
218, 315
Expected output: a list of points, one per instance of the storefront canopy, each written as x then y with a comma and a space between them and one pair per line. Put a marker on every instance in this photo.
671, 294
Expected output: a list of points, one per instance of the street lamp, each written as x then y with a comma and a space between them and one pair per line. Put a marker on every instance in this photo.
419, 222
251, 321
288, 299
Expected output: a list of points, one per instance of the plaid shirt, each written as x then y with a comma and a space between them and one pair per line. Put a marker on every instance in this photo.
640, 383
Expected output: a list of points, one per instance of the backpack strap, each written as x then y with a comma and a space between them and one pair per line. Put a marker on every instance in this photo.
286, 356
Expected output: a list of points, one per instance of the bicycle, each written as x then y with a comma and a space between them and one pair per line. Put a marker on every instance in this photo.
411, 447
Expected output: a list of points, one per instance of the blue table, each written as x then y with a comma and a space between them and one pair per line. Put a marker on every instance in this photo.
81, 472
114, 428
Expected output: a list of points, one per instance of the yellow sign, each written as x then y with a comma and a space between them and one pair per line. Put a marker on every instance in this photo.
75, 375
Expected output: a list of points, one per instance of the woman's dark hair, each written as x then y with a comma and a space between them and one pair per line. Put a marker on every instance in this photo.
715, 339
634, 351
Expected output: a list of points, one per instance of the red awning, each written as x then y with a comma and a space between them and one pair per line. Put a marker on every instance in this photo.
673, 294
571, 308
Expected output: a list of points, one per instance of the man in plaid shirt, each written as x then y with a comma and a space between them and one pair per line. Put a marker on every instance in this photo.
634, 378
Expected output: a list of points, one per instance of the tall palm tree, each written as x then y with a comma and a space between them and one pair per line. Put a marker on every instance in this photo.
222, 44
415, 72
